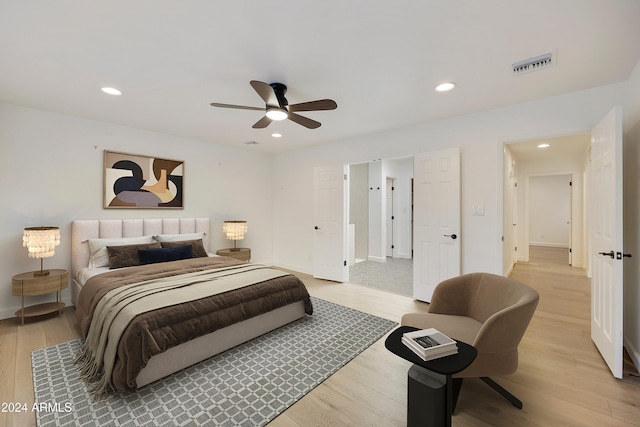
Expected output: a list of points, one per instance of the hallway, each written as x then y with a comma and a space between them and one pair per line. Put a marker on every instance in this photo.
565, 302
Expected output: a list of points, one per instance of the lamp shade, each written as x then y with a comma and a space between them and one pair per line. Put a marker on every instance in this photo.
41, 242
234, 230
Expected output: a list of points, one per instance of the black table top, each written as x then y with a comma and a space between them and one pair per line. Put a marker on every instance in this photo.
447, 365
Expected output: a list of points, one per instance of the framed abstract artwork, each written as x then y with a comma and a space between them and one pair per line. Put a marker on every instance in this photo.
140, 182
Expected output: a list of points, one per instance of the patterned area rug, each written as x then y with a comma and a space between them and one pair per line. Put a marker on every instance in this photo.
248, 385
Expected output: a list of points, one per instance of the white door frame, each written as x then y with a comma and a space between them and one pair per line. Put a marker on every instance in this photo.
390, 224
578, 233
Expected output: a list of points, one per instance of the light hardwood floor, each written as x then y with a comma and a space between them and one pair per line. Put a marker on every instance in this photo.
561, 379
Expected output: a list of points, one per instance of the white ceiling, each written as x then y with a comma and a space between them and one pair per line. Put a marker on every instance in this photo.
378, 60
567, 146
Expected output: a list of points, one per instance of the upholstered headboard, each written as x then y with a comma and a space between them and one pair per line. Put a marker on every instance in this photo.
82, 230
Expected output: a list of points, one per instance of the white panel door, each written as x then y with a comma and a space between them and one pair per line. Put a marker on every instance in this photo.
436, 251
329, 249
606, 237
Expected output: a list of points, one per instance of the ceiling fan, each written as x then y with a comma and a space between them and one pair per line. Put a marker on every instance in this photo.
277, 107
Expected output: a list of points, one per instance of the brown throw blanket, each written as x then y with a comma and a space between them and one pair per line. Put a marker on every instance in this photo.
155, 331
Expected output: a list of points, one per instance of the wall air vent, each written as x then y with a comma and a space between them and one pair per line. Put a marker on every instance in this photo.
533, 64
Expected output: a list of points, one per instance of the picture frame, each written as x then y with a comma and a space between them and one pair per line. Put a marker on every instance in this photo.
135, 181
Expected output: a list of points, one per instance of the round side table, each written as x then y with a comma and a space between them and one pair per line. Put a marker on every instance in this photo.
31, 284
242, 254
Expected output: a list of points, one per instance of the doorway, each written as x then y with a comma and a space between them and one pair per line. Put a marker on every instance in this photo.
601, 164
380, 217
549, 200
544, 198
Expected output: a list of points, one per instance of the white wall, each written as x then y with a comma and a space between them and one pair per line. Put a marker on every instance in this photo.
377, 240
550, 210
51, 167
359, 207
480, 137
402, 172
631, 159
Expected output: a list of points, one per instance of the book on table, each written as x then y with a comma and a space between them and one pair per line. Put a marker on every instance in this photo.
430, 343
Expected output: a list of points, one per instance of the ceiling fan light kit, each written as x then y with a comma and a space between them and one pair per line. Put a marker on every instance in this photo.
277, 107
277, 114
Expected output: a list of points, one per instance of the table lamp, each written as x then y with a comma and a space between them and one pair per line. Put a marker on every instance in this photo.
41, 243
234, 230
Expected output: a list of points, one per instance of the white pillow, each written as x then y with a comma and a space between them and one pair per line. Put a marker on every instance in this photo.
99, 257
178, 237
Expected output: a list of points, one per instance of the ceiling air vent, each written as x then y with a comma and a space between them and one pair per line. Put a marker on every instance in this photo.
532, 64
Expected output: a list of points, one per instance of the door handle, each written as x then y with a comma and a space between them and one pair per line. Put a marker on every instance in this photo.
610, 253
620, 255
453, 236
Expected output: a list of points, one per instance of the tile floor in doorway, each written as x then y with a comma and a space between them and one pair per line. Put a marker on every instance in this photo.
395, 275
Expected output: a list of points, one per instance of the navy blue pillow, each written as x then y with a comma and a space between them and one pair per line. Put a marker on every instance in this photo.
151, 256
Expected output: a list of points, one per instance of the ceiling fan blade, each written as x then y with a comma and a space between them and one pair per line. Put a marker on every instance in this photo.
322, 104
266, 92
239, 107
304, 121
262, 123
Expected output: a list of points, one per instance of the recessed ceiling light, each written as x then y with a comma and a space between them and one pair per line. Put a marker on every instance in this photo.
276, 135
543, 145
111, 91
444, 87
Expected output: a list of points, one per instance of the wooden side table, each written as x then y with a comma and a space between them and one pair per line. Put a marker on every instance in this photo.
29, 284
242, 254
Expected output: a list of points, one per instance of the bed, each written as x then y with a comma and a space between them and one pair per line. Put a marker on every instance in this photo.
246, 301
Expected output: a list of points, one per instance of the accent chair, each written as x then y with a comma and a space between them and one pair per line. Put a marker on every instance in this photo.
485, 310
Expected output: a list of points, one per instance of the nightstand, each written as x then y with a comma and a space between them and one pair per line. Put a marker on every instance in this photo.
30, 284
242, 254
430, 384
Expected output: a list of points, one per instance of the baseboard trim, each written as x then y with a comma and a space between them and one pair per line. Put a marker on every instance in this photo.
634, 353
550, 245
292, 267
509, 271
